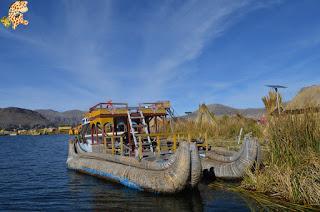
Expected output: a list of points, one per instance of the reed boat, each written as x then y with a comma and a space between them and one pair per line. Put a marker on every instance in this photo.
124, 144
230, 164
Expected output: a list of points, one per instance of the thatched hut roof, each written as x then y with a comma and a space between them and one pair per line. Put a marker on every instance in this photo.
204, 116
306, 98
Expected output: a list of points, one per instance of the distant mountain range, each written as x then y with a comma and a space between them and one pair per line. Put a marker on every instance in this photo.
13, 117
220, 110
70, 117
19, 118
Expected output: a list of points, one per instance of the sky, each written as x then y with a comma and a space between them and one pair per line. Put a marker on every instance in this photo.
76, 53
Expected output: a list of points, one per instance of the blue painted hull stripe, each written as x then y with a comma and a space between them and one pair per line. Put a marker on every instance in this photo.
122, 180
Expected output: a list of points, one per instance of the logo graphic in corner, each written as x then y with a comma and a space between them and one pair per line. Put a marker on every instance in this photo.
15, 15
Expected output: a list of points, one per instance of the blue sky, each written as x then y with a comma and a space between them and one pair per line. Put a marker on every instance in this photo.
75, 53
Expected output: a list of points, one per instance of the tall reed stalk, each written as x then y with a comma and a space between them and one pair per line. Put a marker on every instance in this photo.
292, 168
225, 127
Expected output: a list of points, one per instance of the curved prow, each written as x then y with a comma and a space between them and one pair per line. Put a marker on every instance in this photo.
169, 176
231, 165
196, 168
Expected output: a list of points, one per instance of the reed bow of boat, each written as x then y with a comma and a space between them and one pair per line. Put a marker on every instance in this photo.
232, 165
179, 171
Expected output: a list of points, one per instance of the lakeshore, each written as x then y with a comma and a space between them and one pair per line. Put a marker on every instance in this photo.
41, 131
53, 187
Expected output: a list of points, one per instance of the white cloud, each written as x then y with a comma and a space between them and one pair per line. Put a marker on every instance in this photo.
189, 28
171, 36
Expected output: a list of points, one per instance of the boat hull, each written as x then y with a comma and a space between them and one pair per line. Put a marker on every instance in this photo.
170, 176
232, 165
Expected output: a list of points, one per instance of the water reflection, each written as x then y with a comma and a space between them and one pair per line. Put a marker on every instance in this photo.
104, 195
88, 192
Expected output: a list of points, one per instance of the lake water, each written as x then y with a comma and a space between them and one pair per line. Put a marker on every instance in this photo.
34, 177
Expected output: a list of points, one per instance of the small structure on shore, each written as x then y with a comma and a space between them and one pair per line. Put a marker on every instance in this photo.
204, 116
64, 129
75, 130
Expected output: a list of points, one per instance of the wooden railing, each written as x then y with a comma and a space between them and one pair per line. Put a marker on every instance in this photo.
115, 143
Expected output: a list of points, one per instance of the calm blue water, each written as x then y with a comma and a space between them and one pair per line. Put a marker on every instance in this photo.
34, 177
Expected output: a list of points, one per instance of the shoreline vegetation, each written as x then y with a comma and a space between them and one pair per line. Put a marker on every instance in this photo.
291, 169
290, 143
291, 166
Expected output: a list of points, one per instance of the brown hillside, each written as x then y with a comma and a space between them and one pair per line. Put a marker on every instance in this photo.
13, 117
70, 117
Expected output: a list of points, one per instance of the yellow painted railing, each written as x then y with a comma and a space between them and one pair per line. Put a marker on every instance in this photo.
174, 137
112, 139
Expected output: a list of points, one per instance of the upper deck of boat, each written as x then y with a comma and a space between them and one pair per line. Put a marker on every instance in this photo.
110, 109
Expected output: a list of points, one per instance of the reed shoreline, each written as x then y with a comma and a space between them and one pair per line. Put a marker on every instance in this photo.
290, 169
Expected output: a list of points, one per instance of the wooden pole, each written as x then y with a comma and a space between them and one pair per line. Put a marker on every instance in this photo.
103, 138
112, 145
129, 136
92, 134
278, 105
121, 145
105, 144
239, 137
97, 134
140, 147
156, 123
174, 142
158, 145
189, 137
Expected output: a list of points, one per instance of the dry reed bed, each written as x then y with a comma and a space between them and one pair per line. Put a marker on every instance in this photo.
226, 128
291, 153
292, 166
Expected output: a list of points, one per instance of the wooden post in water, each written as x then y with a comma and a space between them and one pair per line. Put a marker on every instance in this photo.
112, 145
140, 147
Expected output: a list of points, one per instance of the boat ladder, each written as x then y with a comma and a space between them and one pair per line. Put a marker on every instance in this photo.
131, 118
173, 118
